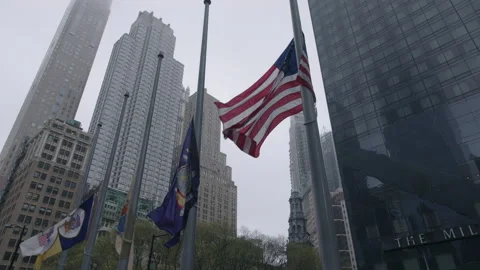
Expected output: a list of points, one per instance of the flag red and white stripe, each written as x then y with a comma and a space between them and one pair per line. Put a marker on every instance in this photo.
250, 117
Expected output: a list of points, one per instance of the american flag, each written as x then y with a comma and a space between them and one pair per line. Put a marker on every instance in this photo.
249, 117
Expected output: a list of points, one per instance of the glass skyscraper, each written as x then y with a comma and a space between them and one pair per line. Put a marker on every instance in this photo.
402, 80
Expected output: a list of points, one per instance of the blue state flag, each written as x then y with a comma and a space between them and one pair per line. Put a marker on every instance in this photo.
172, 215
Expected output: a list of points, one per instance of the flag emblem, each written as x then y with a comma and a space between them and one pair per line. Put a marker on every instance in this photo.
183, 187
44, 239
72, 224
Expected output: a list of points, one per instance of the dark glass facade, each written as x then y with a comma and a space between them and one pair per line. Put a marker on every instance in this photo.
402, 80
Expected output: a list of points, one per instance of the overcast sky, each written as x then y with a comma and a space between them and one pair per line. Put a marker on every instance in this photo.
245, 39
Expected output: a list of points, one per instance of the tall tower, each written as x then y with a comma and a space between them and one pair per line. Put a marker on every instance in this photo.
58, 86
402, 82
132, 68
217, 202
297, 229
300, 175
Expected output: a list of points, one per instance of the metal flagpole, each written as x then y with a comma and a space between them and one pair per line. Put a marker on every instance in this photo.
63, 258
102, 193
188, 247
132, 204
323, 206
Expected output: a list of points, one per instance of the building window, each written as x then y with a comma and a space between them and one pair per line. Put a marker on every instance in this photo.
52, 201
28, 219
64, 152
58, 170
49, 147
67, 143
61, 161
12, 242
47, 156
7, 256
21, 218
43, 165
78, 157
52, 138
75, 166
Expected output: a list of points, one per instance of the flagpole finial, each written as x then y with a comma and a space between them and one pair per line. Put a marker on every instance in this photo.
207, 2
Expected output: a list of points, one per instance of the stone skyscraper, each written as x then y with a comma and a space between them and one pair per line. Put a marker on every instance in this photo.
58, 86
300, 177
217, 200
48, 178
132, 68
402, 82
300, 160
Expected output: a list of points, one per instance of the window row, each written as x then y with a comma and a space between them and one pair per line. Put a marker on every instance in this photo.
40, 175
43, 165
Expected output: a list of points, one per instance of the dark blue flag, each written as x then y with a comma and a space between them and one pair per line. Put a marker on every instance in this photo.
172, 215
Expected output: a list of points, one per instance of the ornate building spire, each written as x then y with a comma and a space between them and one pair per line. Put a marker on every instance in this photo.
297, 231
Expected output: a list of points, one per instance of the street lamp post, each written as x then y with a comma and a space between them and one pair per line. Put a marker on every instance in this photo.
17, 246
150, 255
